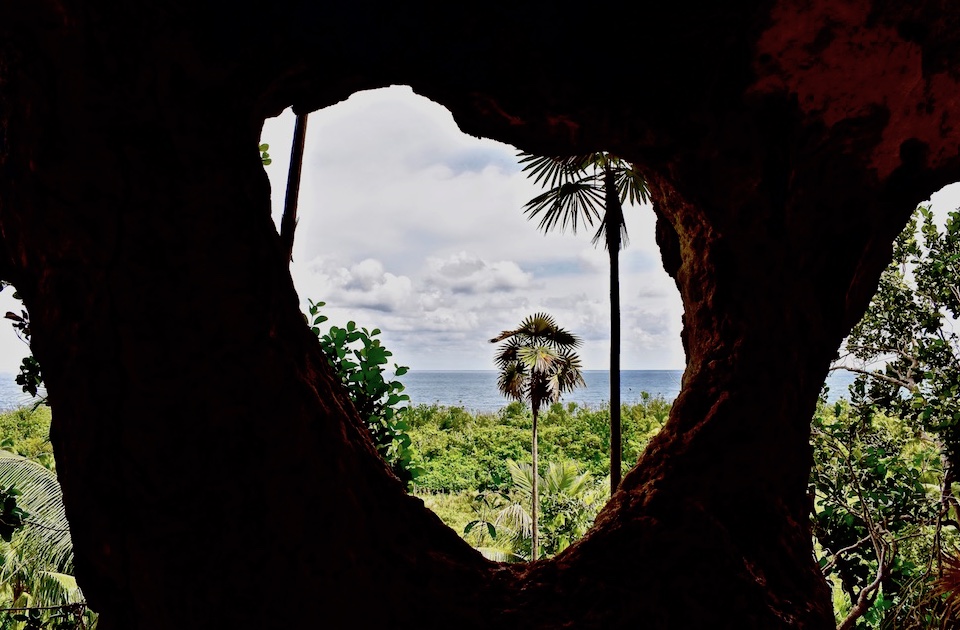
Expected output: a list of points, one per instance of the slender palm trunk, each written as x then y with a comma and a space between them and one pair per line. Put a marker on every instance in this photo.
535, 493
288, 221
614, 220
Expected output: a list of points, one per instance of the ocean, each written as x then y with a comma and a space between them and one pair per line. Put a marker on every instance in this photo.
11, 396
476, 390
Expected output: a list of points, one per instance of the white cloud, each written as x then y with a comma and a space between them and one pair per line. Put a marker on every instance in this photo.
12, 349
594, 259
364, 284
463, 273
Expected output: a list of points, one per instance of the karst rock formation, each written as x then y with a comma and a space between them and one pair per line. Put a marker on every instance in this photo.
214, 474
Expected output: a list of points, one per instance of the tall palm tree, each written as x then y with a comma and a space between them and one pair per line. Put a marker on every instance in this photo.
582, 189
537, 365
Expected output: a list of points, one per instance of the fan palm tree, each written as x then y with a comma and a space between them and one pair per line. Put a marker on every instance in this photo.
537, 365
583, 189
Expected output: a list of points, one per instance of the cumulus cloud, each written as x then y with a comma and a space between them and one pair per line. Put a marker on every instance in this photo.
364, 284
463, 273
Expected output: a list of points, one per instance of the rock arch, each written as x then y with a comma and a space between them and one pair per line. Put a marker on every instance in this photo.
786, 144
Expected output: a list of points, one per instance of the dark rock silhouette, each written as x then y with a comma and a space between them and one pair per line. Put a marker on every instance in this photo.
215, 476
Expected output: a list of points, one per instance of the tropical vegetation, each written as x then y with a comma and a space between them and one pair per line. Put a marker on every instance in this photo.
580, 190
37, 586
891, 495
537, 365
359, 360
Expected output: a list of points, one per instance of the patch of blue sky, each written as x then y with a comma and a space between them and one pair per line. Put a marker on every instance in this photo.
556, 268
639, 261
476, 160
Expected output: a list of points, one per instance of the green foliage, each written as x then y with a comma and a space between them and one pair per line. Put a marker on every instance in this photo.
11, 515
910, 329
879, 516
569, 501
64, 617
901, 437
36, 563
264, 156
464, 451
503, 527
26, 432
460, 451
359, 360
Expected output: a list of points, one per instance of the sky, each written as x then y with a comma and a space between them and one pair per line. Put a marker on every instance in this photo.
411, 226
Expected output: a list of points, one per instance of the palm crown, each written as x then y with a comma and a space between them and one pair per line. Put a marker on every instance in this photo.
537, 362
581, 189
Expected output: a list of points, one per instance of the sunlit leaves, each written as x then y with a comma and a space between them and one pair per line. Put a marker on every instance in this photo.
359, 360
910, 328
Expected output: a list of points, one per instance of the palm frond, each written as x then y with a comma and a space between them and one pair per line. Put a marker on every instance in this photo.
577, 192
569, 205
513, 381
507, 353
564, 376
574, 195
516, 517
54, 589
563, 478
535, 329
46, 536
554, 171
522, 475
631, 185
541, 326
948, 584
600, 237
497, 554
536, 361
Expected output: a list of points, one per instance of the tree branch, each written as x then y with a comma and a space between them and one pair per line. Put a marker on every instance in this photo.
865, 599
836, 555
908, 384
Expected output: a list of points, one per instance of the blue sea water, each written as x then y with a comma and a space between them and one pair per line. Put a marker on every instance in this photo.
11, 396
477, 390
